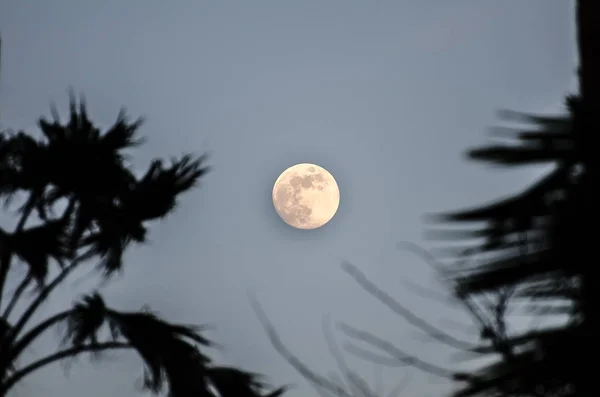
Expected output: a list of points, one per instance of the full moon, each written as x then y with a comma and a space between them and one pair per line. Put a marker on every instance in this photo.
306, 196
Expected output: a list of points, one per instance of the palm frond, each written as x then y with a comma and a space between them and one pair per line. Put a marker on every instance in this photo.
169, 351
155, 194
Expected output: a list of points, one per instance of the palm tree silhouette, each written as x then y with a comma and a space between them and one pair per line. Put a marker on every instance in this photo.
83, 203
529, 238
542, 244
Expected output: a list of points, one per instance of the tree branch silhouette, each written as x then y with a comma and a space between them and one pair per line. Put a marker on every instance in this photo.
316, 380
16, 296
17, 376
43, 295
394, 352
6, 254
399, 309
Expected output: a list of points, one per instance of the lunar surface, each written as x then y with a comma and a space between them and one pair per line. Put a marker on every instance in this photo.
306, 196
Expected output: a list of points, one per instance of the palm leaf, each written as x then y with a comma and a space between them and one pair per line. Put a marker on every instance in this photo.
155, 194
169, 351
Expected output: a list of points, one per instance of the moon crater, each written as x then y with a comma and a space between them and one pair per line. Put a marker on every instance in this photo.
306, 196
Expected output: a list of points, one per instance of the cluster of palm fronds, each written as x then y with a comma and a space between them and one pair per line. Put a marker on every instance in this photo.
82, 205
543, 248
529, 257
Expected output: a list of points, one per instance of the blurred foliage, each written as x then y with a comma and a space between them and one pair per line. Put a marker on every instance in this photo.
523, 259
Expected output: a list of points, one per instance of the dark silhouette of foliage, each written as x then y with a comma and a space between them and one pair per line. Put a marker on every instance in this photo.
526, 255
83, 206
541, 244
538, 247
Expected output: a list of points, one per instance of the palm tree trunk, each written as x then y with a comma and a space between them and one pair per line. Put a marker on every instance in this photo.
588, 37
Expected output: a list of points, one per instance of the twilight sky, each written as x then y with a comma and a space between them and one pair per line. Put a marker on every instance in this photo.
385, 94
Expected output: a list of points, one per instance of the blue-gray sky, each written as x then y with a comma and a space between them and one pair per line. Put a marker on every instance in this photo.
384, 94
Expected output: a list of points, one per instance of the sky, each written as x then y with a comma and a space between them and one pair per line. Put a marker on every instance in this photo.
384, 94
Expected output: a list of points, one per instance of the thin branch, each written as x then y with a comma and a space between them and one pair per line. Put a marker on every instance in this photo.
336, 379
396, 353
360, 385
491, 327
27, 210
43, 295
336, 353
471, 305
5, 260
400, 386
58, 356
447, 300
298, 365
368, 355
36, 331
322, 392
466, 329
378, 379
352, 380
436, 265
396, 307
15, 298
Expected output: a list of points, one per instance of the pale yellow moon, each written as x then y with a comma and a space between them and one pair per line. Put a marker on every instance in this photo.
306, 196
